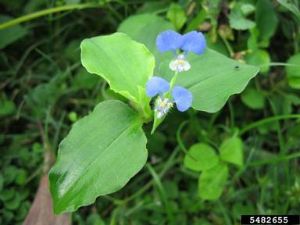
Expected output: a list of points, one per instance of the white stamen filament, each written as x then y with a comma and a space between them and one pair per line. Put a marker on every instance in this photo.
162, 107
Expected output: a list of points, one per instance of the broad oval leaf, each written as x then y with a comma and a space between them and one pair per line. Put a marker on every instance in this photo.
293, 71
238, 21
176, 15
212, 181
259, 58
212, 79
253, 99
231, 150
125, 64
266, 19
200, 157
99, 156
144, 29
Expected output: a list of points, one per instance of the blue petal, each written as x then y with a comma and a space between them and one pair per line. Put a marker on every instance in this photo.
194, 42
182, 97
168, 40
156, 85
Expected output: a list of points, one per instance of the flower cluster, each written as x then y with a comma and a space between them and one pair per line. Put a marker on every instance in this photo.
172, 41
168, 95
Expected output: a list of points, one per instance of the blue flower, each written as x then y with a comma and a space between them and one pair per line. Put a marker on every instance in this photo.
194, 42
181, 97
156, 85
171, 41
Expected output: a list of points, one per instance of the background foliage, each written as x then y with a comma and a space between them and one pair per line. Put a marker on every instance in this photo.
45, 89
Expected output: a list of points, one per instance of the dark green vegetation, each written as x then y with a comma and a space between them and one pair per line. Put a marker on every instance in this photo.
45, 89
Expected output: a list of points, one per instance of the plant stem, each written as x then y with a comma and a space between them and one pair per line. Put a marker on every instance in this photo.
278, 127
162, 192
267, 120
275, 159
173, 80
278, 64
169, 164
229, 49
45, 12
231, 110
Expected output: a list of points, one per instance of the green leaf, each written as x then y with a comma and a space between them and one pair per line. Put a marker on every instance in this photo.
45, 94
212, 79
7, 107
247, 9
212, 7
293, 72
10, 34
200, 157
259, 58
144, 29
98, 157
94, 219
176, 15
7, 216
84, 80
231, 150
281, 104
237, 19
294, 99
212, 181
14, 203
239, 209
125, 64
252, 40
291, 6
266, 19
70, 2
7, 194
10, 173
172, 188
153, 7
217, 45
253, 99
1, 182
22, 211
21, 177
199, 19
